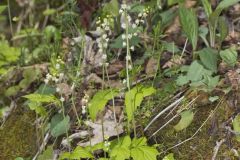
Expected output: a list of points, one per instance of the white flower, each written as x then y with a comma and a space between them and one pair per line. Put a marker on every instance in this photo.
130, 67
57, 89
107, 28
84, 107
129, 18
144, 14
61, 75
124, 6
124, 81
129, 36
46, 81
57, 66
134, 25
48, 76
128, 58
105, 45
106, 64
137, 21
124, 26
107, 39
123, 36
62, 99
99, 29
100, 50
104, 36
120, 11
140, 15
124, 44
104, 56
135, 34
132, 48
83, 111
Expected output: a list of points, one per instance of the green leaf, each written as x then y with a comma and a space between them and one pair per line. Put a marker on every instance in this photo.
80, 152
207, 7
213, 99
186, 120
37, 107
99, 101
229, 56
59, 125
35, 97
120, 153
2, 8
112, 7
47, 154
236, 126
12, 91
226, 3
195, 71
48, 12
182, 80
223, 28
169, 157
134, 98
209, 57
189, 23
144, 153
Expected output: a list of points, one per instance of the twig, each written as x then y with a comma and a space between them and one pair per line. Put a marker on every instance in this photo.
198, 130
165, 110
216, 148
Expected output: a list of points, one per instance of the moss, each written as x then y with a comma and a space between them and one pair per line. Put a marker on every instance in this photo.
17, 137
202, 146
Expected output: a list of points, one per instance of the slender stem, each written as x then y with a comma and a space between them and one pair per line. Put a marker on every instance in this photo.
10, 17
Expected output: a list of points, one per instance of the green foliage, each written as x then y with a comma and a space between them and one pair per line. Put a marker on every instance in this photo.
47, 154
78, 153
236, 126
59, 125
2, 8
134, 98
209, 58
189, 23
229, 56
170, 156
8, 55
121, 150
48, 12
35, 97
223, 28
112, 7
99, 101
186, 120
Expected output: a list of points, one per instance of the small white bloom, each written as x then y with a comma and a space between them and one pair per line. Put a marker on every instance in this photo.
56, 80
61, 75
57, 89
57, 66
105, 45
140, 15
100, 50
124, 6
84, 107
123, 26
107, 39
106, 64
142, 21
129, 18
134, 26
132, 48
48, 76
107, 28
62, 99
83, 111
128, 58
99, 29
130, 67
124, 44
104, 56
144, 14
124, 81
137, 21
104, 36
129, 36
120, 11
123, 36
135, 34
46, 81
